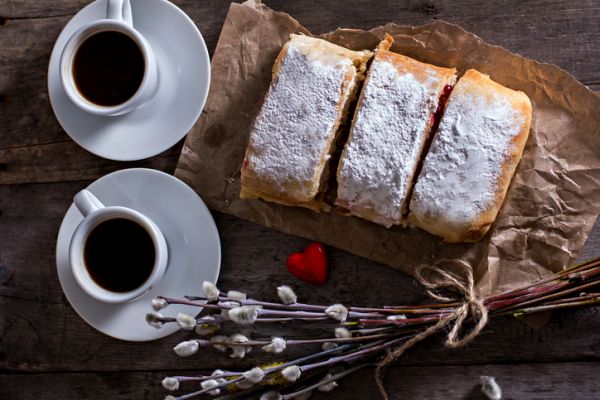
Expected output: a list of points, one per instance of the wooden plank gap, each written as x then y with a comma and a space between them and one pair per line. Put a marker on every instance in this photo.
3, 20
22, 146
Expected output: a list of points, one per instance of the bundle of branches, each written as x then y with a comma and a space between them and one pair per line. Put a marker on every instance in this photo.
358, 335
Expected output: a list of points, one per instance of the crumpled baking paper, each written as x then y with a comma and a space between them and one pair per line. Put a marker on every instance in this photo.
550, 208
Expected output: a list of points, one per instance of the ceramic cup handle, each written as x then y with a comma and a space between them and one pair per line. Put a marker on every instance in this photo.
119, 10
87, 203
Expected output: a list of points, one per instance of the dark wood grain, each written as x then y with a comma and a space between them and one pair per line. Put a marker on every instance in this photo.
555, 31
522, 381
48, 352
59, 340
546, 31
44, 337
26, 115
36, 164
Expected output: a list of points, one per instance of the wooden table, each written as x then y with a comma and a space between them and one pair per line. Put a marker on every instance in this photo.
48, 352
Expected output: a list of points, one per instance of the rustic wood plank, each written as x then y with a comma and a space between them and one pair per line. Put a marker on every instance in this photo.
36, 227
34, 164
594, 86
15, 9
592, 246
576, 381
44, 337
546, 31
521, 381
549, 31
40, 332
25, 112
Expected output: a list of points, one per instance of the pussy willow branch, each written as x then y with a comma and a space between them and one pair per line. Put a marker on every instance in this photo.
363, 331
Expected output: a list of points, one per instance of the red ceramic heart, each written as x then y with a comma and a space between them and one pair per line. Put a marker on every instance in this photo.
309, 266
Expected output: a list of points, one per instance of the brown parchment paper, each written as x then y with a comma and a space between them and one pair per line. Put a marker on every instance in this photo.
554, 198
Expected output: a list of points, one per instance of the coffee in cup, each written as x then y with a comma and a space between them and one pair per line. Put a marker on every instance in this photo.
107, 67
119, 255
116, 253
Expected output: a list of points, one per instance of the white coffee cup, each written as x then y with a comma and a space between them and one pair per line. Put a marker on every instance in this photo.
118, 19
94, 213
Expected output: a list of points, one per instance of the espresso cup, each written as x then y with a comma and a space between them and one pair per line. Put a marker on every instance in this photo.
98, 218
118, 21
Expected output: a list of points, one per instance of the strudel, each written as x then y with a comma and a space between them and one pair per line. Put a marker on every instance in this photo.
295, 131
389, 133
472, 159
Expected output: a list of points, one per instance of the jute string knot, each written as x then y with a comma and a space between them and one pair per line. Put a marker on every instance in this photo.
433, 278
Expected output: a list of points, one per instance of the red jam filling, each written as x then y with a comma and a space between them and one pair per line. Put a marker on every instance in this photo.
437, 116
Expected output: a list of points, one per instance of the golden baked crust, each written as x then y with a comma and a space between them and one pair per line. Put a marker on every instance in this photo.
436, 215
309, 148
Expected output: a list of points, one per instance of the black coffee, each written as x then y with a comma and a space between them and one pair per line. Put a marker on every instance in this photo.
108, 68
119, 255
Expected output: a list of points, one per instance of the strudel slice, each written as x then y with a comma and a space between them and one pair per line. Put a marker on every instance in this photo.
472, 159
390, 130
295, 131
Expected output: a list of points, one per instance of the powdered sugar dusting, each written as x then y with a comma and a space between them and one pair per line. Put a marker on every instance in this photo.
460, 174
386, 141
291, 131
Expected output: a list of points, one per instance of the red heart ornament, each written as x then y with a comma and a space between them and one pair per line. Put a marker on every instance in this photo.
309, 266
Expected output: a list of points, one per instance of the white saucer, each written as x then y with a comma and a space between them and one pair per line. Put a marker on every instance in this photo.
184, 76
192, 239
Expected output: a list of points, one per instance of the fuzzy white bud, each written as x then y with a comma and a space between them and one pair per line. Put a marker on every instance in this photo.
244, 315
211, 292
154, 320
169, 397
237, 338
271, 395
209, 384
396, 317
291, 373
328, 346
219, 339
230, 305
254, 375
158, 304
276, 346
337, 312
170, 383
234, 294
342, 333
186, 321
490, 388
187, 348
238, 351
219, 372
286, 294
328, 384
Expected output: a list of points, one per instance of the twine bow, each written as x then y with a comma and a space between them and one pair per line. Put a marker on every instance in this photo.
434, 278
